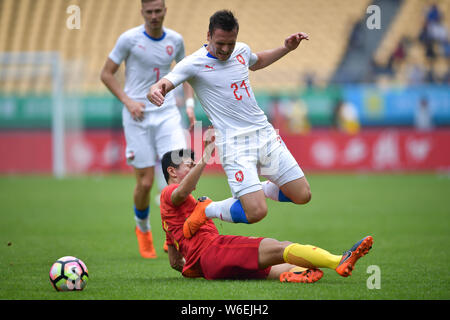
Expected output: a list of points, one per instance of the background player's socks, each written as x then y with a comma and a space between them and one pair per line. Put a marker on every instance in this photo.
142, 219
272, 191
229, 210
308, 256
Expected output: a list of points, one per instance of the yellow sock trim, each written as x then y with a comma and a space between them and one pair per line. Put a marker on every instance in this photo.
308, 256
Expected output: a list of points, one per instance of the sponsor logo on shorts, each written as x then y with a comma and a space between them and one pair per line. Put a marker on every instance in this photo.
239, 176
130, 155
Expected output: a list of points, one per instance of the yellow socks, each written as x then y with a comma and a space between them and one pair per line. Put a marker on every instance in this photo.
308, 256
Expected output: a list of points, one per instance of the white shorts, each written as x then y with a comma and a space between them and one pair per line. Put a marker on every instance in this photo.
261, 153
159, 132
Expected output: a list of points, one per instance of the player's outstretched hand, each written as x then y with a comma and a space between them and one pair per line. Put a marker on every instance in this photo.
292, 42
210, 139
136, 109
156, 94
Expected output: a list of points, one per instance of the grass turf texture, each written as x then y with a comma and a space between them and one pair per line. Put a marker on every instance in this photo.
42, 219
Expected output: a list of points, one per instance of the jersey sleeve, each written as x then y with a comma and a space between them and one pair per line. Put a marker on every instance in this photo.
180, 52
166, 201
166, 196
182, 71
120, 50
253, 59
169, 240
249, 55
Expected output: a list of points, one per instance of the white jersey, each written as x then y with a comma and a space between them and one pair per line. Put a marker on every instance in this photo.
147, 60
223, 88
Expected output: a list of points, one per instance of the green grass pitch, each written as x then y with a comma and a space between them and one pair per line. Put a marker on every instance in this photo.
42, 219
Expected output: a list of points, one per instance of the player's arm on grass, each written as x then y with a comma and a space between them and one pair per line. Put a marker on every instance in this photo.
267, 57
108, 78
176, 259
188, 184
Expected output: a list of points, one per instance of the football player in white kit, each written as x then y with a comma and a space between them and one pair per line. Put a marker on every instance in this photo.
148, 51
247, 143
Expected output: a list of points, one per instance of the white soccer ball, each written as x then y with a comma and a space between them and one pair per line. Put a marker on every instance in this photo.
68, 274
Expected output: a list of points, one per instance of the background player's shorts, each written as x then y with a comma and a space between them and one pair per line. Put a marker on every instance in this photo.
261, 153
232, 257
159, 132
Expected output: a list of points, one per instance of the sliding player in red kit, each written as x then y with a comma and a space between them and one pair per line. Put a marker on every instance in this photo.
213, 256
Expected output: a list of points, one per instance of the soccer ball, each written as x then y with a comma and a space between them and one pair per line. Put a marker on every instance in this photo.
68, 274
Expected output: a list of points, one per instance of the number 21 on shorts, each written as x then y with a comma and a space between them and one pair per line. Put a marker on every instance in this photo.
236, 88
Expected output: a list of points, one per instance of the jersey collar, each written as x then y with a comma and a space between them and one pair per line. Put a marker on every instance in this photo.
155, 39
209, 54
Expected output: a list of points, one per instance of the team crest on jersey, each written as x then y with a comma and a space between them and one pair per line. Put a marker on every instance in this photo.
169, 50
240, 58
239, 176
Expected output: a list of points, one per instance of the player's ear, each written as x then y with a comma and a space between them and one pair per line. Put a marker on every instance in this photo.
208, 36
172, 172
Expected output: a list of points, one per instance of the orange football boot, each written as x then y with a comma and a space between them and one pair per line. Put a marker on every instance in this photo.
307, 276
145, 241
350, 257
197, 218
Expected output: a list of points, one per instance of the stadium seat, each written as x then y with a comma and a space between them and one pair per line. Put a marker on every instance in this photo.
28, 25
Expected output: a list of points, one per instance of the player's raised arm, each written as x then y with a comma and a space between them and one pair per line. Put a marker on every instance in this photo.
267, 57
158, 91
189, 182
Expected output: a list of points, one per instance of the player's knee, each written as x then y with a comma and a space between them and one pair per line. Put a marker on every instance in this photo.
280, 246
275, 247
302, 197
144, 186
284, 244
306, 197
257, 213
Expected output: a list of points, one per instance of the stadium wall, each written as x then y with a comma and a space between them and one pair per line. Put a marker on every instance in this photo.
103, 151
387, 140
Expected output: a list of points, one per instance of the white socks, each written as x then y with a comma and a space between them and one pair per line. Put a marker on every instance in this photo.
229, 210
220, 209
271, 190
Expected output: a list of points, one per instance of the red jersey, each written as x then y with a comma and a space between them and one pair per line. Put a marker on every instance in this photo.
173, 218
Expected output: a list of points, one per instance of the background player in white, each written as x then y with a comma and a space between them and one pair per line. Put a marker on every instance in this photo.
246, 141
148, 51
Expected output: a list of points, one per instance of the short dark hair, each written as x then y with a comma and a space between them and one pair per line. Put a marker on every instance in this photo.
223, 19
174, 159
145, 1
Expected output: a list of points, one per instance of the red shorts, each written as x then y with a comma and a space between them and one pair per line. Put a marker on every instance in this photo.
232, 257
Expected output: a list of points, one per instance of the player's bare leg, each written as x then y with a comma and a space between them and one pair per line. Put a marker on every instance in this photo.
249, 208
144, 182
297, 191
271, 254
254, 205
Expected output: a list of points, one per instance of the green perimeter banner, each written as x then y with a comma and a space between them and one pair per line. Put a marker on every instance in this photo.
105, 111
